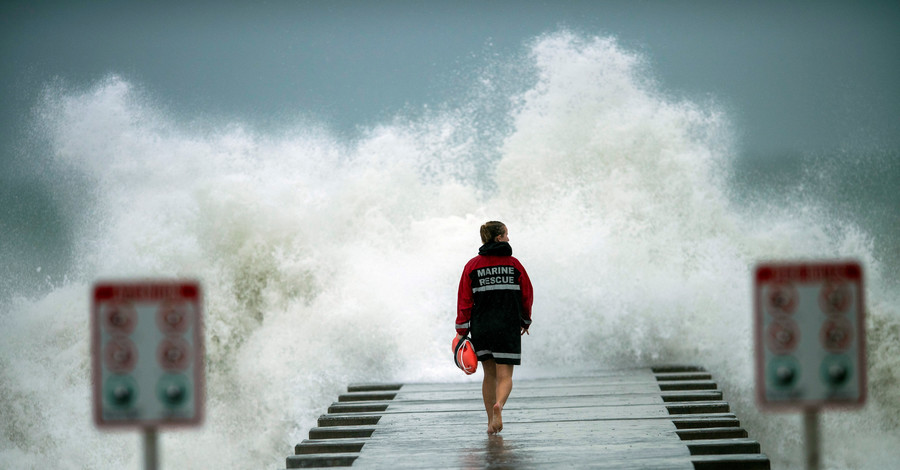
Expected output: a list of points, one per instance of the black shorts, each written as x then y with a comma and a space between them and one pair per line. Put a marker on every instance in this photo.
502, 345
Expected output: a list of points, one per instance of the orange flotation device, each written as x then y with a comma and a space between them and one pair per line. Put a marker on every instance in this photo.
464, 355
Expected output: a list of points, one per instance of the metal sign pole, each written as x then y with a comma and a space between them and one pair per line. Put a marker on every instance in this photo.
151, 449
811, 440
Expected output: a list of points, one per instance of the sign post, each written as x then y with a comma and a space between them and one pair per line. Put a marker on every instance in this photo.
147, 357
151, 449
810, 340
811, 442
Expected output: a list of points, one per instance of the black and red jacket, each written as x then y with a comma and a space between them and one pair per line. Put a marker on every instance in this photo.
493, 284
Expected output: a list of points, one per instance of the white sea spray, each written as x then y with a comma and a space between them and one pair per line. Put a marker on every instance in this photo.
327, 261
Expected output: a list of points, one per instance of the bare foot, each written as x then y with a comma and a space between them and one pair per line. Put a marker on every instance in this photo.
491, 430
496, 420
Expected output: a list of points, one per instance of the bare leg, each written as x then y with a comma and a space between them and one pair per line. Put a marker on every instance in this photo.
504, 388
489, 389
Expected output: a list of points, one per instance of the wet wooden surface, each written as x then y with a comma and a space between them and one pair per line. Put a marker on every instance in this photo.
672, 418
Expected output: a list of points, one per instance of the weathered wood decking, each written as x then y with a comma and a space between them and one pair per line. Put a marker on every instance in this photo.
654, 418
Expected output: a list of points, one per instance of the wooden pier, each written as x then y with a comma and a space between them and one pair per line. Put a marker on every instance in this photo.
666, 418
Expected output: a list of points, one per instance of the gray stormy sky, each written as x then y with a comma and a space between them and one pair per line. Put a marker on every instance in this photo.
792, 75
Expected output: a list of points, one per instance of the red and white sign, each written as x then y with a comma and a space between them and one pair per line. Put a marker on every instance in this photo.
147, 353
809, 335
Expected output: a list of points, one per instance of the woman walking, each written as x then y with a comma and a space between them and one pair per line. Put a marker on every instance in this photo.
494, 305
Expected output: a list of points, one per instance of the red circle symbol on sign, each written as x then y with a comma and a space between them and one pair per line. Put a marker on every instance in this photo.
782, 298
120, 318
835, 298
782, 336
120, 354
836, 335
173, 353
174, 317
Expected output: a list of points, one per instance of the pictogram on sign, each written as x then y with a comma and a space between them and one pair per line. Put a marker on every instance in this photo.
837, 335
174, 317
119, 317
835, 298
782, 336
120, 354
782, 298
174, 353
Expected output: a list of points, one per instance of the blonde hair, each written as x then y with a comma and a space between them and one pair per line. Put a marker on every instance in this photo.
491, 230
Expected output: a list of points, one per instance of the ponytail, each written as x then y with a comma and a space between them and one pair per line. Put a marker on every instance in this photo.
491, 230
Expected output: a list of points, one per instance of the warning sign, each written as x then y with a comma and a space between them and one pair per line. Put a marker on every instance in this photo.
809, 334
147, 353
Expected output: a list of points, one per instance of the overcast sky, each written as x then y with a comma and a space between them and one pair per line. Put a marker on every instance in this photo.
792, 75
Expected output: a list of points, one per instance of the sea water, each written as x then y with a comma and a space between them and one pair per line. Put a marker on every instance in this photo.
328, 259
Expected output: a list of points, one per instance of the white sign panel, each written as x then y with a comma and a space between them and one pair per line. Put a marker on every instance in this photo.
809, 335
147, 353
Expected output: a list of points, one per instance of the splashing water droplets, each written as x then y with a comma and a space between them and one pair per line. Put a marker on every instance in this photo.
327, 260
